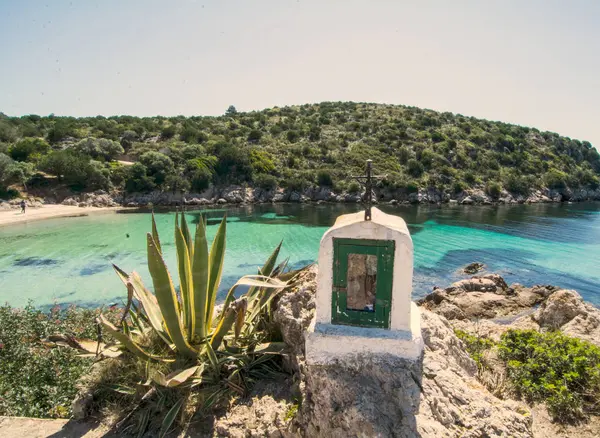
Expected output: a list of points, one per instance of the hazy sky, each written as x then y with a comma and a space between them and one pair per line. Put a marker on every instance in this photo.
534, 63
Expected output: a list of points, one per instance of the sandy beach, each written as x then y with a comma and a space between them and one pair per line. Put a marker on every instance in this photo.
10, 217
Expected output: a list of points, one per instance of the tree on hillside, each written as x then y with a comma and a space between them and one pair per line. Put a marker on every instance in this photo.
13, 172
99, 148
230, 111
29, 149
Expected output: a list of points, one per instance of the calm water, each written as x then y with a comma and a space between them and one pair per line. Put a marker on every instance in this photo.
69, 260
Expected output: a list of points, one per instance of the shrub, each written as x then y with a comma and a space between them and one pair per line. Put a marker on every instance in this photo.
75, 170
261, 161
493, 189
324, 178
99, 148
254, 136
415, 168
28, 149
354, 187
554, 368
476, 345
516, 184
37, 378
266, 182
168, 132
137, 180
158, 166
292, 136
555, 179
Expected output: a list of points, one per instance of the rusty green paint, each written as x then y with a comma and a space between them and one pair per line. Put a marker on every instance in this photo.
384, 250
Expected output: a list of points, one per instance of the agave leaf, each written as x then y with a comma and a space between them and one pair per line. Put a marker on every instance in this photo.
215, 267
240, 318
170, 417
167, 299
271, 348
187, 235
126, 341
185, 281
256, 281
176, 377
212, 358
225, 324
200, 280
147, 299
267, 268
155, 234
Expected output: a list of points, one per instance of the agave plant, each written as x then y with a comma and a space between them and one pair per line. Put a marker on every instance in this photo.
183, 330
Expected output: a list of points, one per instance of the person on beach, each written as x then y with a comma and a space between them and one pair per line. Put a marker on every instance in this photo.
23, 205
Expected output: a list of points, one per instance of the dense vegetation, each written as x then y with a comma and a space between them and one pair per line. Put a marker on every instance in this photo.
293, 147
38, 379
548, 367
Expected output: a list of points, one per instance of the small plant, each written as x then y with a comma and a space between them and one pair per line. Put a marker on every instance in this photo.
476, 345
562, 371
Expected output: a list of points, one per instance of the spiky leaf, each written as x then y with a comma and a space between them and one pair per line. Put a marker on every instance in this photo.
215, 267
167, 299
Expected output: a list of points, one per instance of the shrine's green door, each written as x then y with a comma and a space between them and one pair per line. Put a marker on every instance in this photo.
362, 282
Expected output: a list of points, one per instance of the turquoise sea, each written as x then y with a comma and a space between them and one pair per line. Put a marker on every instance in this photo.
69, 260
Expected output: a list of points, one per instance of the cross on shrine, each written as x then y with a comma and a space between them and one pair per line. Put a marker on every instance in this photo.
368, 183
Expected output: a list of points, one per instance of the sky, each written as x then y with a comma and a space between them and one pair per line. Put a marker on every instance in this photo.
530, 62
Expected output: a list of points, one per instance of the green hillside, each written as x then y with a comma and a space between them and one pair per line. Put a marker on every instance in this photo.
293, 147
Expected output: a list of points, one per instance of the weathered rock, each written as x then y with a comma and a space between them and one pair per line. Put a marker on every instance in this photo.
473, 268
387, 397
485, 296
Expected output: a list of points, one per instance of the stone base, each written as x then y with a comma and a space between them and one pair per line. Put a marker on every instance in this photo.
327, 344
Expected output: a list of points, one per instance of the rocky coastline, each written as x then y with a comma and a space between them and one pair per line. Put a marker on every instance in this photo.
444, 396
240, 195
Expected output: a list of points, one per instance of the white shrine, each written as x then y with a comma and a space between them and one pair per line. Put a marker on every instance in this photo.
364, 291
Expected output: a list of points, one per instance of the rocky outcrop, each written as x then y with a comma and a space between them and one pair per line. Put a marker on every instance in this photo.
486, 296
387, 397
565, 310
96, 199
15, 204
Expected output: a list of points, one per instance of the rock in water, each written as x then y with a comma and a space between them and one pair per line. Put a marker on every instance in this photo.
473, 268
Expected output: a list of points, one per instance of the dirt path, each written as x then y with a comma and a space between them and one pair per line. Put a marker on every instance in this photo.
9, 217
46, 428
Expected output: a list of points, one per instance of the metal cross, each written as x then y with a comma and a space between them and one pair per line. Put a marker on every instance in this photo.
368, 198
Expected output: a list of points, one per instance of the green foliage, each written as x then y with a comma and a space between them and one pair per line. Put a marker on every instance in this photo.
13, 172
261, 161
29, 149
99, 148
158, 166
415, 168
38, 379
76, 170
324, 178
476, 345
555, 179
493, 189
428, 149
137, 179
354, 187
266, 182
562, 371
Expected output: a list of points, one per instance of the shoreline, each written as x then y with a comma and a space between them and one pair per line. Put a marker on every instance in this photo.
55, 211
52, 211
